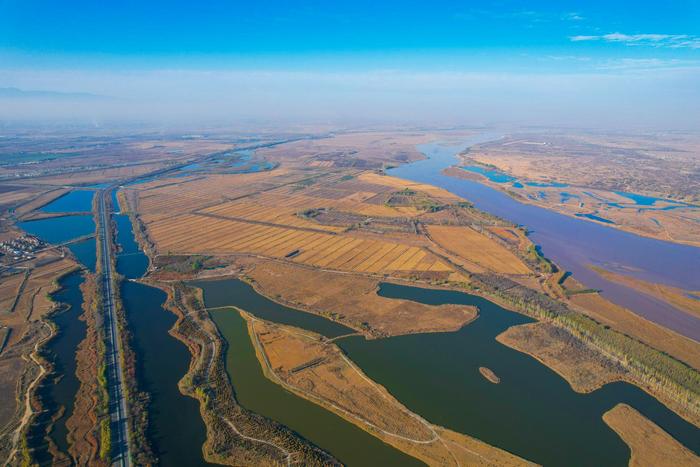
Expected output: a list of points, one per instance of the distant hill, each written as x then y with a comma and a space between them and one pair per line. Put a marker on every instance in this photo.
16, 93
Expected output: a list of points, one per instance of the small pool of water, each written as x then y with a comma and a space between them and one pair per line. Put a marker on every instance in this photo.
60, 229
595, 218
73, 201
85, 252
547, 184
642, 200
131, 262
492, 174
565, 197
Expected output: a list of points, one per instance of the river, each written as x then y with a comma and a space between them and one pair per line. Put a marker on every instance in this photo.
176, 430
573, 243
533, 412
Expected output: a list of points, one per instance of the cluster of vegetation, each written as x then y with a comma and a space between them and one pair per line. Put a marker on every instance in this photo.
535, 257
648, 365
412, 198
102, 409
312, 213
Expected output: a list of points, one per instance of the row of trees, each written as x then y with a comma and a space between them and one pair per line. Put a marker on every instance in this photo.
648, 365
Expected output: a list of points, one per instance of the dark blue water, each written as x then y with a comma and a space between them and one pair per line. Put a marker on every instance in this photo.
73, 201
60, 229
492, 174
85, 252
547, 184
533, 412
595, 218
574, 244
176, 430
131, 262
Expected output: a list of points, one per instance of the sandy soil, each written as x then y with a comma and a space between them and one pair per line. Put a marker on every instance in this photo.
650, 445
489, 375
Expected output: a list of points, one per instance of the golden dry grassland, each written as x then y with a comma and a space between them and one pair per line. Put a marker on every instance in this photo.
262, 214
650, 445
477, 248
24, 302
352, 300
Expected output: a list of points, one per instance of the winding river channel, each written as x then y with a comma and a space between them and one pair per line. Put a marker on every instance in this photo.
533, 412
57, 392
575, 244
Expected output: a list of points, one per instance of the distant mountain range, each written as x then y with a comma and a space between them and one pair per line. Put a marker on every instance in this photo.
17, 93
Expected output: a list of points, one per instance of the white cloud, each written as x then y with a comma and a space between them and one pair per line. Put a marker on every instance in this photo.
634, 64
673, 41
572, 16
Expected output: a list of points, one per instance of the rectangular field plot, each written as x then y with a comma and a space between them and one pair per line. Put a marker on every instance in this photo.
478, 248
197, 234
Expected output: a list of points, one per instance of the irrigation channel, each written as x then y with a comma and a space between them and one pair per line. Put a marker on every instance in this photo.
533, 412
176, 429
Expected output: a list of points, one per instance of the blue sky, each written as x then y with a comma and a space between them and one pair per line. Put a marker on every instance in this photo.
387, 49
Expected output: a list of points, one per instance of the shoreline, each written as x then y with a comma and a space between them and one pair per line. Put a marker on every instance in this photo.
481, 180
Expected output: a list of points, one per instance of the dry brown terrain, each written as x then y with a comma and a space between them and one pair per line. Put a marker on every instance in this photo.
24, 303
584, 369
308, 365
351, 221
83, 423
368, 149
627, 322
489, 375
650, 445
478, 248
595, 166
352, 300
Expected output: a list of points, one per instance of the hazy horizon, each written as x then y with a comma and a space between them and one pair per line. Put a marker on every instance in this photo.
632, 65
